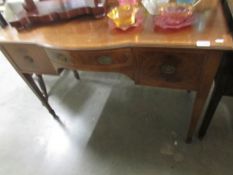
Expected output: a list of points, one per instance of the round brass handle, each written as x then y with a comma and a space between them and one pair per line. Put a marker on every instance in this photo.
62, 58
28, 59
168, 69
105, 60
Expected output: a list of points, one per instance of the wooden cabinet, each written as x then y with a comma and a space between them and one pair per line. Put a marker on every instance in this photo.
29, 58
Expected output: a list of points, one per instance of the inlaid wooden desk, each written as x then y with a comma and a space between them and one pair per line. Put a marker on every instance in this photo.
186, 59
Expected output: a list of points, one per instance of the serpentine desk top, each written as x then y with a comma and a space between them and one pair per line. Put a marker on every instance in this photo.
90, 34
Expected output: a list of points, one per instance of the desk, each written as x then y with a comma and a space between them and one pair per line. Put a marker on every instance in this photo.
186, 59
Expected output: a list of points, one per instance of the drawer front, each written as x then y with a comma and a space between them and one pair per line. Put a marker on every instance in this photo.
29, 58
109, 60
170, 69
60, 58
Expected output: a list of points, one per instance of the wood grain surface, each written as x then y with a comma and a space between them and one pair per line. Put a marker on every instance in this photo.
210, 32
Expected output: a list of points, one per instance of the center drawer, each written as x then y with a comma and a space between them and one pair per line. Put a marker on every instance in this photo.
108, 60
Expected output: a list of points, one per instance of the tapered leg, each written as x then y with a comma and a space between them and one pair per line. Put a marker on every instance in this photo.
219, 90
197, 110
76, 74
222, 80
29, 80
215, 98
210, 68
42, 85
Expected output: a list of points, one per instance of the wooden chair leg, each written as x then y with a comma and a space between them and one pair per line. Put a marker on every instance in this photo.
214, 101
42, 85
76, 74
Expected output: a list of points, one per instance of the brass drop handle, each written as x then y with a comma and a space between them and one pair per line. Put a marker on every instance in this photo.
168, 69
28, 59
62, 58
105, 60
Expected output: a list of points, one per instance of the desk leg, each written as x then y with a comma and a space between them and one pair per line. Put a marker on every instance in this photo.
76, 74
221, 81
42, 85
215, 99
209, 70
197, 110
28, 78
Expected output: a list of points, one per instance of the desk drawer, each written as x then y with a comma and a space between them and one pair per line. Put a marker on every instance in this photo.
29, 58
177, 69
109, 60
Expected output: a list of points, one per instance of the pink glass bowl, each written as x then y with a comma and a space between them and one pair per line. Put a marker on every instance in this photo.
174, 16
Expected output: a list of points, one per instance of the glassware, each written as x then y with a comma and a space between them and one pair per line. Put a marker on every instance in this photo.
124, 17
174, 16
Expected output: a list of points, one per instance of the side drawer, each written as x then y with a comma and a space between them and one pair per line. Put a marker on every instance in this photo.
30, 58
175, 69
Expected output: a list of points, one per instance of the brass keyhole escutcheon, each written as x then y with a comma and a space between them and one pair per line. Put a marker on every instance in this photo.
105, 60
62, 58
29, 59
168, 69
